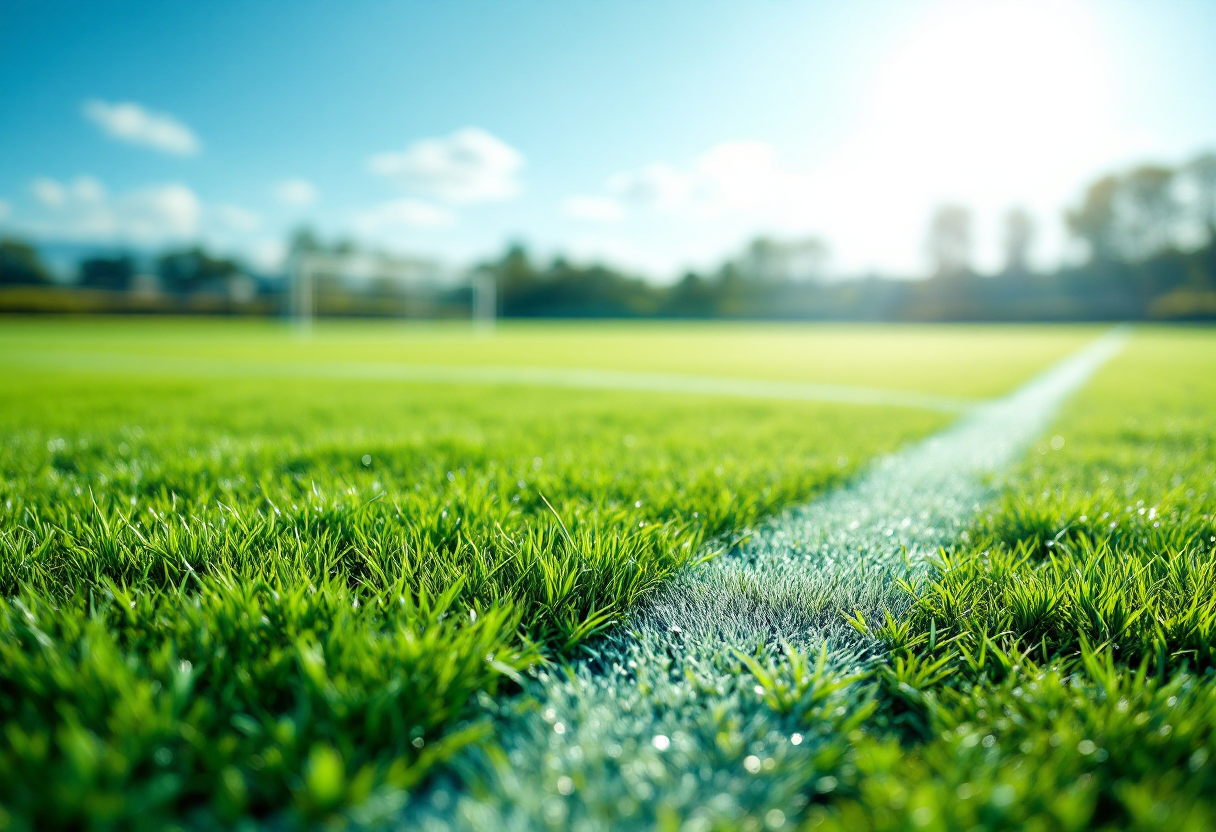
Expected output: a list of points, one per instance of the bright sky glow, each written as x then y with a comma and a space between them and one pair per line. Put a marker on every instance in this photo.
452, 129
990, 105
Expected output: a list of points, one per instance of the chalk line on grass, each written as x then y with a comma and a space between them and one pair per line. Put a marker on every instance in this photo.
486, 375
659, 725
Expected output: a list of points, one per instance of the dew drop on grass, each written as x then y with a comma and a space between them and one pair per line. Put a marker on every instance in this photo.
367, 459
661, 742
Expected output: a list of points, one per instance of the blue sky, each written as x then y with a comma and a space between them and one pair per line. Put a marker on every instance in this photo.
656, 135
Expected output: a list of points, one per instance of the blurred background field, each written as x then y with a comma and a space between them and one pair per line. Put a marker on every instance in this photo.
962, 361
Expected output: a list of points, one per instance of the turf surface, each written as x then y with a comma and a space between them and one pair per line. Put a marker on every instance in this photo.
289, 601
965, 361
1056, 670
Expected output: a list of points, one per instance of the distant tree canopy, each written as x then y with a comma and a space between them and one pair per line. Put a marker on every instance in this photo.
770, 260
193, 268
20, 264
562, 289
107, 272
1147, 211
1019, 239
950, 241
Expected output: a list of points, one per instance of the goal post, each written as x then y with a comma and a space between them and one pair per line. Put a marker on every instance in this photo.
485, 300
355, 281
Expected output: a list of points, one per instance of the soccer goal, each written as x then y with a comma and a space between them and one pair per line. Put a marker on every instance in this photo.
337, 284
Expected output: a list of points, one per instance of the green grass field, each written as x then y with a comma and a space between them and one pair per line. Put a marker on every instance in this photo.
241, 593
1056, 670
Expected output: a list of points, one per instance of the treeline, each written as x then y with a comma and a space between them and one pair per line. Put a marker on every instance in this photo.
1146, 237
179, 271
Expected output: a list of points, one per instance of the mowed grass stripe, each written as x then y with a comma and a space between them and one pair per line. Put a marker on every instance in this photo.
578, 379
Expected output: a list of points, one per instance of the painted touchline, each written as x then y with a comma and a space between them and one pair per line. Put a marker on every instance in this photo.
483, 375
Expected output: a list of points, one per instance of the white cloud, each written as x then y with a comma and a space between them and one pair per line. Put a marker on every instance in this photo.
403, 214
296, 193
268, 255
468, 166
658, 185
48, 191
594, 208
131, 123
697, 211
730, 177
235, 218
82, 210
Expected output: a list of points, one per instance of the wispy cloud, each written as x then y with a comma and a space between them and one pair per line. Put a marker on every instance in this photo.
403, 215
235, 218
469, 166
296, 192
130, 122
658, 185
48, 192
732, 176
594, 208
268, 255
83, 210
729, 178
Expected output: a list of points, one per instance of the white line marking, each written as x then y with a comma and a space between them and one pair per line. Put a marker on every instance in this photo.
572, 378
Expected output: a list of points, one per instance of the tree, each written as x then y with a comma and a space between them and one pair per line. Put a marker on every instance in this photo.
20, 264
777, 261
190, 269
107, 272
516, 277
303, 241
949, 242
1096, 221
1149, 211
1201, 172
1019, 236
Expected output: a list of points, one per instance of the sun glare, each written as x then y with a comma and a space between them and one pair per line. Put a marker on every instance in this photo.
991, 104
995, 91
